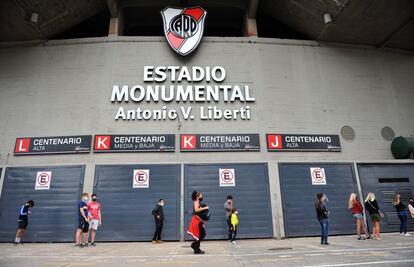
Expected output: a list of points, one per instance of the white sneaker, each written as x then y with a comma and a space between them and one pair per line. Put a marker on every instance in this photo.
401, 233
234, 242
407, 234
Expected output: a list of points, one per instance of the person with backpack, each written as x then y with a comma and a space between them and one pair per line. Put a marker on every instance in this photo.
158, 214
372, 207
23, 221
197, 224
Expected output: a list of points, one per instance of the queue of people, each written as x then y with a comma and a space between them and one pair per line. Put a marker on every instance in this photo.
371, 205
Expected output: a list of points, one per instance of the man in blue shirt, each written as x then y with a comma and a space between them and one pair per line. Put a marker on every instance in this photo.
82, 220
23, 220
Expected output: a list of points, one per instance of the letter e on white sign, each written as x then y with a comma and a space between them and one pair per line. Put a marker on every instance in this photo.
140, 179
318, 176
227, 177
43, 180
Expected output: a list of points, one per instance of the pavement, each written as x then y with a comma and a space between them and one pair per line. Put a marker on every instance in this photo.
393, 250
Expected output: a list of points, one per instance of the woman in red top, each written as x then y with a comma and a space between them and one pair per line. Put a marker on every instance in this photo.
197, 226
358, 214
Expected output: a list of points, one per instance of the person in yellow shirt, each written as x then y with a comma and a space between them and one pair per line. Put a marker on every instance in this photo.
234, 222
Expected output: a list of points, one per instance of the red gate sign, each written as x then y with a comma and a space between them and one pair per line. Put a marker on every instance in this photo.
43, 180
141, 179
318, 176
227, 177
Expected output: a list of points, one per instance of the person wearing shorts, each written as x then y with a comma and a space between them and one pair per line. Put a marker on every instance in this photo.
23, 221
82, 220
371, 206
358, 214
95, 219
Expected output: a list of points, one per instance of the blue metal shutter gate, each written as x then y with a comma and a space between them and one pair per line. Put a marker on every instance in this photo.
54, 217
251, 198
126, 211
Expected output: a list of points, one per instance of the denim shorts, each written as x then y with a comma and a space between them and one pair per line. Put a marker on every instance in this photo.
358, 216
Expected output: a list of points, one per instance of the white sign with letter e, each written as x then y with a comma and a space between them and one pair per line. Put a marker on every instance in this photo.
43, 180
318, 176
141, 179
227, 177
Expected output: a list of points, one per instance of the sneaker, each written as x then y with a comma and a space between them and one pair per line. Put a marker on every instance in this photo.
401, 233
85, 245
407, 234
199, 252
234, 242
369, 237
154, 242
92, 244
159, 241
360, 238
327, 244
16, 243
81, 246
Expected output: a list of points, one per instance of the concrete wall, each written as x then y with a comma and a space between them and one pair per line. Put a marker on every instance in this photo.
64, 88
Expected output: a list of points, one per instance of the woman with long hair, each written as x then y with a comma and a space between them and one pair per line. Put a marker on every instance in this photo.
197, 225
322, 214
358, 214
372, 207
402, 214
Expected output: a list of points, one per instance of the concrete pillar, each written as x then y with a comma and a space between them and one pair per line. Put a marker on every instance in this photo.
276, 200
250, 26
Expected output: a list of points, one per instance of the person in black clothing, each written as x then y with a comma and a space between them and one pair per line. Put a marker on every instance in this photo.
322, 214
371, 206
159, 221
402, 214
228, 206
23, 220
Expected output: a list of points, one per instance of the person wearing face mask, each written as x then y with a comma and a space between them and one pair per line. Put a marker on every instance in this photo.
23, 221
197, 225
158, 213
95, 219
82, 220
228, 206
322, 214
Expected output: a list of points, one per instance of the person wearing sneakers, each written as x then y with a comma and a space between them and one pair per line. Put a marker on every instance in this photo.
23, 221
374, 212
322, 214
197, 224
358, 214
95, 219
159, 221
402, 214
234, 222
83, 220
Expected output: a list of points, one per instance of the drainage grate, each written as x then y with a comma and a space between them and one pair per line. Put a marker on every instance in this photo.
278, 249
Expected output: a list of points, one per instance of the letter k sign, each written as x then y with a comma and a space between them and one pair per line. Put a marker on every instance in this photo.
102, 142
188, 142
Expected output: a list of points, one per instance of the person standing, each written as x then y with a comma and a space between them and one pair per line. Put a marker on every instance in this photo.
234, 222
372, 207
82, 220
197, 225
158, 213
358, 214
411, 207
95, 218
402, 214
23, 221
228, 206
322, 214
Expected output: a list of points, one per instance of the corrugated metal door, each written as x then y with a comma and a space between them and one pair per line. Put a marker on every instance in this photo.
54, 217
126, 211
251, 198
385, 180
298, 198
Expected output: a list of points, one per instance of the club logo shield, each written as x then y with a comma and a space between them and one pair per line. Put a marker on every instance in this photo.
183, 28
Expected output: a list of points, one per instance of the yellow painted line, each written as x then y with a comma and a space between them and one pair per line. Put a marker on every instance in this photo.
279, 259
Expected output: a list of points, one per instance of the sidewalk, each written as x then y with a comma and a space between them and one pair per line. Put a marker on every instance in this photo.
393, 250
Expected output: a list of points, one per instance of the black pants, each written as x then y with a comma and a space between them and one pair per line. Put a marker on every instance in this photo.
196, 244
158, 230
229, 227
233, 233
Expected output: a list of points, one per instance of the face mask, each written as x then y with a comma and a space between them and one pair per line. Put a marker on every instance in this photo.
229, 201
237, 212
201, 199
93, 199
85, 199
161, 204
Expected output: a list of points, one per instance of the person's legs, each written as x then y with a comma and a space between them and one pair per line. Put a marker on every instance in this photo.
404, 223
93, 234
78, 236
326, 230
229, 228
234, 233
358, 226
154, 238
160, 231
401, 223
